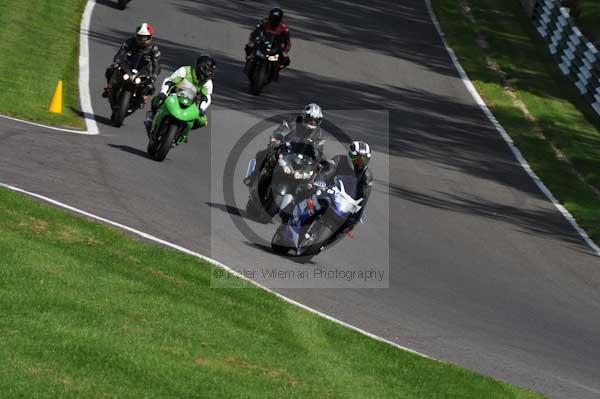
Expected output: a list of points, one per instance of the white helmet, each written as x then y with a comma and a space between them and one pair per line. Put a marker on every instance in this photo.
312, 116
359, 154
144, 34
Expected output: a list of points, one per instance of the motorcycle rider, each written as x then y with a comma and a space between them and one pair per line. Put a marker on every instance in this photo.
139, 46
306, 129
200, 76
271, 24
356, 163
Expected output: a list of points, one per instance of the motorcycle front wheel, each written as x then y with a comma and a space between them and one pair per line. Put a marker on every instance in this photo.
311, 246
120, 113
276, 241
166, 142
259, 79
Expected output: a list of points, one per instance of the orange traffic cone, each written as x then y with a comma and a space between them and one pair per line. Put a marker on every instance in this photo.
56, 101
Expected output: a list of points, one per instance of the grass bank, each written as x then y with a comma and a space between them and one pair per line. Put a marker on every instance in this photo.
555, 129
89, 312
39, 43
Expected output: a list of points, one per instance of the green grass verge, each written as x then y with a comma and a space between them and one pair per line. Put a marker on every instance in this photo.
39, 43
89, 312
566, 120
589, 19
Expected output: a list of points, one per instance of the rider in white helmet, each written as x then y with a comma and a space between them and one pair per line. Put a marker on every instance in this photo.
307, 128
141, 49
355, 162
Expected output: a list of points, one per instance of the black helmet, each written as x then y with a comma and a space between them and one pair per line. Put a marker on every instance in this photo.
275, 16
359, 154
205, 67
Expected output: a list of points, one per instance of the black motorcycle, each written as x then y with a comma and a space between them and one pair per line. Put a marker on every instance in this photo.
316, 220
264, 65
270, 193
127, 94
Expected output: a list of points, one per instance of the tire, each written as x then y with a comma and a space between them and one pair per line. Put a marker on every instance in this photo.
151, 148
120, 113
121, 4
277, 248
259, 79
166, 142
256, 213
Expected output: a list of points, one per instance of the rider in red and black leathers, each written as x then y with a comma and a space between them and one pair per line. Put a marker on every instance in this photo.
272, 24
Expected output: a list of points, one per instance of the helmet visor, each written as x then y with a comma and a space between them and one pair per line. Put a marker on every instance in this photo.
312, 121
144, 39
209, 71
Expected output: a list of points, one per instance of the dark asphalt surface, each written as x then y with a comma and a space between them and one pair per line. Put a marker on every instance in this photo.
484, 271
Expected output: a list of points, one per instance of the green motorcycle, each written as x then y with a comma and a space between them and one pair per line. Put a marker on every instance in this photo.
173, 120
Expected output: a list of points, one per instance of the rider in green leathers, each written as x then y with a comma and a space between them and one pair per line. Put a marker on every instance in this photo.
200, 76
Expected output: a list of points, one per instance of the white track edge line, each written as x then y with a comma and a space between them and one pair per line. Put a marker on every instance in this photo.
44, 126
84, 69
516, 152
214, 262
84, 80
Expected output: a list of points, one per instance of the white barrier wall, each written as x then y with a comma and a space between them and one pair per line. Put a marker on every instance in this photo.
576, 56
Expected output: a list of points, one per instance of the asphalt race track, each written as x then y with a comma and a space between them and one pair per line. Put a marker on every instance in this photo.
484, 271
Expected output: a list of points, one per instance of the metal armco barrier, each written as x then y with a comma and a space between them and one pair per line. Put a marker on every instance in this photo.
576, 56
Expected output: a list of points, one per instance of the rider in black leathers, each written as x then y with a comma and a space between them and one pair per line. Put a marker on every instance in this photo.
306, 129
141, 50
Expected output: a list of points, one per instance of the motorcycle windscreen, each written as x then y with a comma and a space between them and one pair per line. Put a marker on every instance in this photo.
302, 147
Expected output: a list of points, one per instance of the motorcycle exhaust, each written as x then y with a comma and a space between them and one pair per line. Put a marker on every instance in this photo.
251, 166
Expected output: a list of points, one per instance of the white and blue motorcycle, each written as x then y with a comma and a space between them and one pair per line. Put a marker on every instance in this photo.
314, 222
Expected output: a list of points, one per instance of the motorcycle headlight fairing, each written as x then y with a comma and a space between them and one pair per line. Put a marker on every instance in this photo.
302, 175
